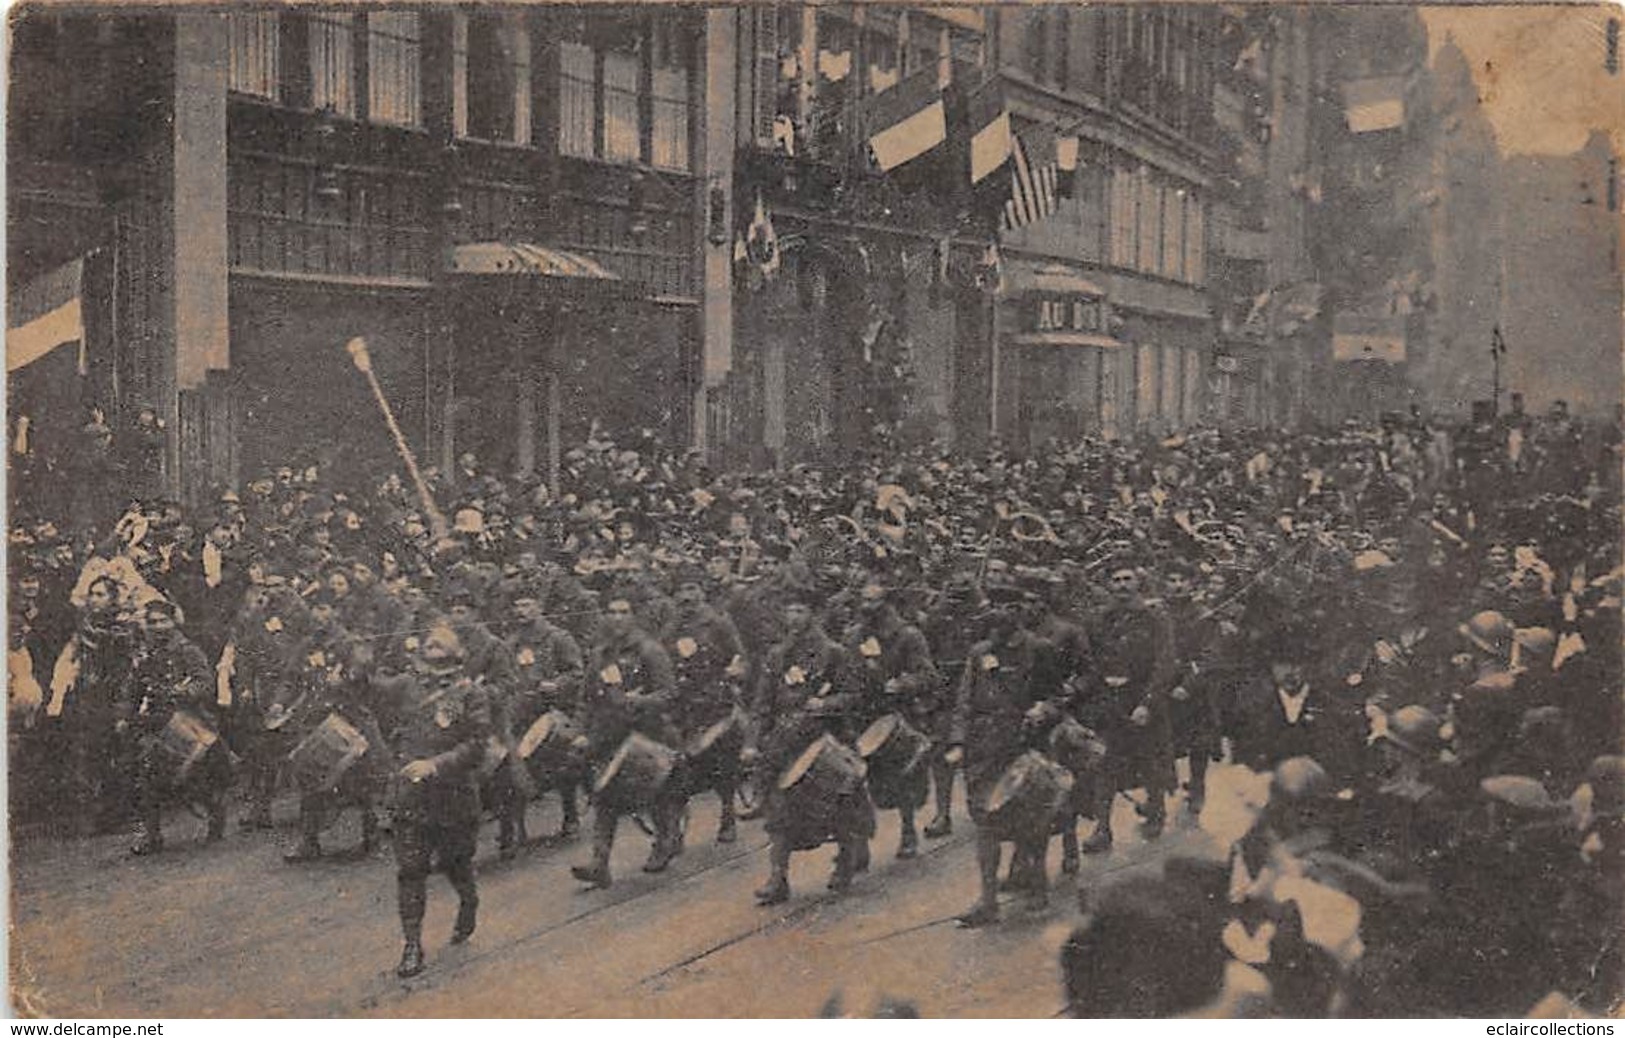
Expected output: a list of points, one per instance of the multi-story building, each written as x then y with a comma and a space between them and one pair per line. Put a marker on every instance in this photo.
1563, 305
465, 188
1104, 323
860, 309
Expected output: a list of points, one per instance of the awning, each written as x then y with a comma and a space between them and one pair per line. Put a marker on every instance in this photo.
1104, 342
1051, 278
544, 265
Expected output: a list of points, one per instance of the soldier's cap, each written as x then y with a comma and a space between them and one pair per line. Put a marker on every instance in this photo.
1494, 683
1522, 794
1300, 778
1416, 730
1489, 631
161, 609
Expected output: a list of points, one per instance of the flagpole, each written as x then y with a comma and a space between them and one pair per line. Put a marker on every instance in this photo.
113, 339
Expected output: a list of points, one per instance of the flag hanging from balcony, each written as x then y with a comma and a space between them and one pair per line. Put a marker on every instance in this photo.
46, 313
1375, 104
1034, 178
990, 137
905, 121
762, 242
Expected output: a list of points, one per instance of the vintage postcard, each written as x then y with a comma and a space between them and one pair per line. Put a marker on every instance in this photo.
796, 509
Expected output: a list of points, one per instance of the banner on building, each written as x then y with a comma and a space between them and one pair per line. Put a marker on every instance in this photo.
1357, 337
1375, 104
46, 313
1034, 178
906, 121
988, 119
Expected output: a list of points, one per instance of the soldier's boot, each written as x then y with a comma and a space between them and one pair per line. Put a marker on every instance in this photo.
668, 837
1155, 813
217, 818
776, 890
595, 874
986, 909
841, 879
1198, 786
727, 826
461, 875
570, 828
310, 832
411, 897
1100, 841
1070, 862
908, 844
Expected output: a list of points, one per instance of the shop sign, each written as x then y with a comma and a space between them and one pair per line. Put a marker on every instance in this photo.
1065, 314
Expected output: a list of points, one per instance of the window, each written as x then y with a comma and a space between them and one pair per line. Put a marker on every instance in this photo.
393, 71
625, 91
622, 142
924, 48
577, 80
1195, 239
1173, 231
882, 57
332, 62
254, 53
1035, 42
491, 76
672, 60
1150, 221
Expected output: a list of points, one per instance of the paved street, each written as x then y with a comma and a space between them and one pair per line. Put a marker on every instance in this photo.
230, 930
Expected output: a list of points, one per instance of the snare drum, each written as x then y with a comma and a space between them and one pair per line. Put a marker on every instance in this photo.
184, 742
1024, 802
637, 773
323, 758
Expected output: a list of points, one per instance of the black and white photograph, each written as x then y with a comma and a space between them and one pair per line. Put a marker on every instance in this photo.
814, 510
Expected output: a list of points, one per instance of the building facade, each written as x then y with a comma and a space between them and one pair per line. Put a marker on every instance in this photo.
1104, 320
463, 189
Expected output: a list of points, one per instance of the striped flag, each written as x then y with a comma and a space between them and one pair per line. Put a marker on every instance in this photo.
1034, 179
906, 121
990, 136
46, 313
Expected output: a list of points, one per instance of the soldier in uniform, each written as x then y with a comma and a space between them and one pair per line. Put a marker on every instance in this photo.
170, 674
334, 680
442, 723
950, 629
548, 673
1127, 704
630, 688
899, 676
709, 660
1193, 709
806, 688
994, 694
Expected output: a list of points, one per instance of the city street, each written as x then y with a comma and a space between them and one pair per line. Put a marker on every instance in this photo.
230, 930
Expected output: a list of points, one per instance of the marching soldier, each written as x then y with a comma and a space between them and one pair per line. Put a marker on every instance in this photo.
548, 673
950, 628
630, 688
1127, 705
995, 692
806, 689
709, 661
439, 738
899, 677
170, 676
1193, 709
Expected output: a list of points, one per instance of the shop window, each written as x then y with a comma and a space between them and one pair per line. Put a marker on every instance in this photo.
253, 65
577, 76
332, 62
491, 76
